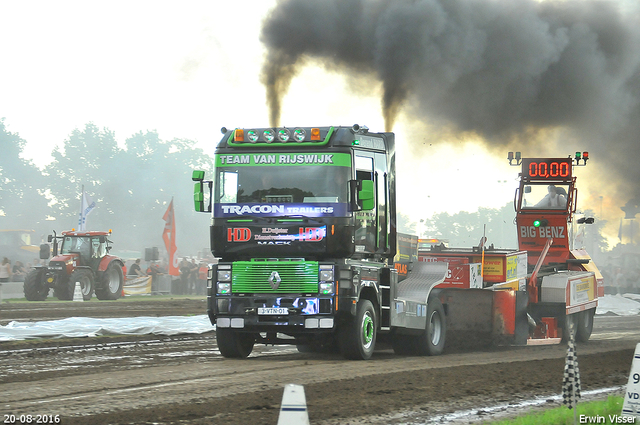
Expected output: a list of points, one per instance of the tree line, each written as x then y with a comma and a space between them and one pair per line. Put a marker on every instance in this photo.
131, 185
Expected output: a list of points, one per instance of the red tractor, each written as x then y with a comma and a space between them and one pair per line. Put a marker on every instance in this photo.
83, 257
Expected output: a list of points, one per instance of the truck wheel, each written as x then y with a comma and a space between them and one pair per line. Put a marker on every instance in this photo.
431, 342
34, 287
585, 325
87, 283
570, 327
112, 283
235, 345
358, 336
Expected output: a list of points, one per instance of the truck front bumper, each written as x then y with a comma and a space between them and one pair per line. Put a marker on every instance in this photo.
282, 313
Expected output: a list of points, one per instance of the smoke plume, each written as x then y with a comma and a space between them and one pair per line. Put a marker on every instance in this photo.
500, 69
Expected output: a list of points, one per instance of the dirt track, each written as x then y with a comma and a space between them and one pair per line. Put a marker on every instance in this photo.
183, 379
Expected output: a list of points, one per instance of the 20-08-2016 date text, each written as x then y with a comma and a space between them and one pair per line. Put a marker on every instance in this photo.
30, 419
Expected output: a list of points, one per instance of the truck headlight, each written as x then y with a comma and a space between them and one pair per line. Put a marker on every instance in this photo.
224, 288
326, 273
326, 288
224, 275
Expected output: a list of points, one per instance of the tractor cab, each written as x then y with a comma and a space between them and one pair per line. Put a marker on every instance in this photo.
88, 248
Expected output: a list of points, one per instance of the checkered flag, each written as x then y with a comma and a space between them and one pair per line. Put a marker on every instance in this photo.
571, 381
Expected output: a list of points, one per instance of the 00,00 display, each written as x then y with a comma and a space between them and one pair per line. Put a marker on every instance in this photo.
547, 169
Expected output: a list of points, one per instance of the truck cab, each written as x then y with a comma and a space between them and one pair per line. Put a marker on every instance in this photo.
303, 222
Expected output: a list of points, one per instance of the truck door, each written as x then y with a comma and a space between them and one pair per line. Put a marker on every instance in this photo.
366, 224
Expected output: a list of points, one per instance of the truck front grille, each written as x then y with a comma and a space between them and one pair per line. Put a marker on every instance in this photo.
254, 276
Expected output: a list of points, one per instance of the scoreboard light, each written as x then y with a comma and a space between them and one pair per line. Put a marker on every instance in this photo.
517, 157
542, 222
582, 156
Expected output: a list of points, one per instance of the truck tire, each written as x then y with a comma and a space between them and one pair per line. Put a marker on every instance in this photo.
357, 337
431, 341
87, 283
112, 283
585, 325
34, 287
234, 345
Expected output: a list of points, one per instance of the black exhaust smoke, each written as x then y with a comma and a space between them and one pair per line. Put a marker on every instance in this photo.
501, 69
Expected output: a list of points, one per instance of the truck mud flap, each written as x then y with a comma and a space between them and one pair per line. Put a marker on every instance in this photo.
409, 307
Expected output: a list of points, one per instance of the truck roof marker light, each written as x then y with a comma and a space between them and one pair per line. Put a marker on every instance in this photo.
238, 135
269, 135
284, 135
299, 134
315, 134
253, 136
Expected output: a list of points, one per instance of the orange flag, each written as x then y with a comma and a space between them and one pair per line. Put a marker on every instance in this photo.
169, 238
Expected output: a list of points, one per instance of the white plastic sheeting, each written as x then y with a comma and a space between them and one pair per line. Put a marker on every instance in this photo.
626, 305
621, 305
87, 326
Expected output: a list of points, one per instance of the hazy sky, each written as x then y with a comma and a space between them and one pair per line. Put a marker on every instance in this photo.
188, 68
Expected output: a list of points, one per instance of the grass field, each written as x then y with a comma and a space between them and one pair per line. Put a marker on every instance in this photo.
601, 412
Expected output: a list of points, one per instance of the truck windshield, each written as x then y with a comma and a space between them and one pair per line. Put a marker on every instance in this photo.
545, 196
301, 190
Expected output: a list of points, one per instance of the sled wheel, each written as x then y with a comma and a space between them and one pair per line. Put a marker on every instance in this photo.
585, 325
431, 342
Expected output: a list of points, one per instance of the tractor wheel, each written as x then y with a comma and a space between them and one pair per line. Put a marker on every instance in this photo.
357, 337
64, 287
35, 289
585, 325
86, 280
112, 283
232, 344
431, 342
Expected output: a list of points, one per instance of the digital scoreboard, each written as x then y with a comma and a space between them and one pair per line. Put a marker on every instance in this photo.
547, 168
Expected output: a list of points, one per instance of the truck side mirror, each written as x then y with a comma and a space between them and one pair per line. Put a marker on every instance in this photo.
198, 191
45, 250
361, 195
49, 238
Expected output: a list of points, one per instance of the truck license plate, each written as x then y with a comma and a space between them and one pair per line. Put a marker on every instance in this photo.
273, 311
